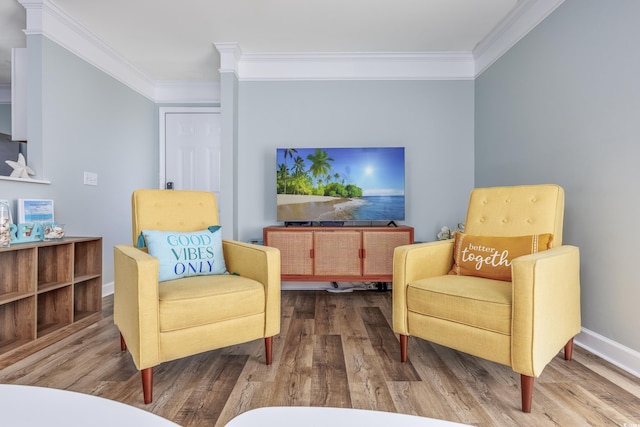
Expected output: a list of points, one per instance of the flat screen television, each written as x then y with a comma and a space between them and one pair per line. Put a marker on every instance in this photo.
340, 184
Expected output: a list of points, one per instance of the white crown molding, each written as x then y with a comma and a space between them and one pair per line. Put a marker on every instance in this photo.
523, 18
230, 54
5, 93
46, 18
357, 66
177, 92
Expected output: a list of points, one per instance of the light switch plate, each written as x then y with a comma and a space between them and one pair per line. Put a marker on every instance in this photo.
90, 178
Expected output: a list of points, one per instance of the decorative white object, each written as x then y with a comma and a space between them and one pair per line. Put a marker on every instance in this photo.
448, 233
6, 202
20, 168
53, 231
294, 416
55, 407
5, 225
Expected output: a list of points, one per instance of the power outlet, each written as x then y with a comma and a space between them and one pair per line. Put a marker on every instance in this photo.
90, 178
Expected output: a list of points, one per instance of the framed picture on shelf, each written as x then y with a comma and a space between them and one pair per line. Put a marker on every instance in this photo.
35, 210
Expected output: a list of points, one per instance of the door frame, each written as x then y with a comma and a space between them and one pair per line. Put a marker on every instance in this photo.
162, 112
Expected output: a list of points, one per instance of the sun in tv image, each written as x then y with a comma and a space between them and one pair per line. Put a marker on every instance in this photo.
340, 184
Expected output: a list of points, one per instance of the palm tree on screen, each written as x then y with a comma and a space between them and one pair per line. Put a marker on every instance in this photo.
298, 166
320, 166
288, 152
283, 174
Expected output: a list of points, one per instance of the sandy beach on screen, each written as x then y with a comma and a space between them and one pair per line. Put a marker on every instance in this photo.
295, 207
288, 199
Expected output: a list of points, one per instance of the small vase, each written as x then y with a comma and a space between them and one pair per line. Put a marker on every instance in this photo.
5, 226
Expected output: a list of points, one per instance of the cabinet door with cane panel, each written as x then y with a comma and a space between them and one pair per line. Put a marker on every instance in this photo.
337, 253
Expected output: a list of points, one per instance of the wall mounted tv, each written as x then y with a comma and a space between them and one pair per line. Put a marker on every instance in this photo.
340, 184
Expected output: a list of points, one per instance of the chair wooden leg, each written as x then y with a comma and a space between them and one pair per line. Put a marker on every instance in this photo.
404, 343
123, 345
526, 383
147, 384
568, 350
268, 349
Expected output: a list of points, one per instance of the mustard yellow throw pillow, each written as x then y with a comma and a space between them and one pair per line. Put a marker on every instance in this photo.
490, 257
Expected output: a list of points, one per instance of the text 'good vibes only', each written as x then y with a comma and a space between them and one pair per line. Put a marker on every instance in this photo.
193, 254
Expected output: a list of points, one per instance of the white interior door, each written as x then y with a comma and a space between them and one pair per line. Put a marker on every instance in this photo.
192, 151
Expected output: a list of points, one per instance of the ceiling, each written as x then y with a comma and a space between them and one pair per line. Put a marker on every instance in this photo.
173, 40
12, 21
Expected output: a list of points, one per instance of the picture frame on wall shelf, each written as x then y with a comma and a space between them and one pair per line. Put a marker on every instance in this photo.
35, 210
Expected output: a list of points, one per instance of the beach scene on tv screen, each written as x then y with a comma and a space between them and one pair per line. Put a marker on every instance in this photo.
340, 184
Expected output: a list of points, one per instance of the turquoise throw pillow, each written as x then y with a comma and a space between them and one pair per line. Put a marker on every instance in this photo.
197, 253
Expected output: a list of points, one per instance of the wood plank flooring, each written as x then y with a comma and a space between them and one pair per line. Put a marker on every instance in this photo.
333, 350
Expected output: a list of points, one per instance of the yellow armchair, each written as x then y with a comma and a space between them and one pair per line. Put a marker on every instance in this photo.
163, 321
523, 323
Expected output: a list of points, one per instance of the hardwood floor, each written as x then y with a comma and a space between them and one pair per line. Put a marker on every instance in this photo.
333, 350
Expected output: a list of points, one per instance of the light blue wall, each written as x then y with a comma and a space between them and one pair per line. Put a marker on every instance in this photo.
7, 151
563, 106
433, 120
90, 122
5, 119
229, 168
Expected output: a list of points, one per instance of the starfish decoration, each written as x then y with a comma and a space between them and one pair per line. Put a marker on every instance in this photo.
20, 168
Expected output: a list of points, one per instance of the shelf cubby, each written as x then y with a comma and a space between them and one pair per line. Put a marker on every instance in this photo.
87, 296
46, 286
54, 309
18, 278
17, 323
55, 267
87, 262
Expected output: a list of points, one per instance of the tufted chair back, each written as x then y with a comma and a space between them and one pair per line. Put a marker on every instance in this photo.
516, 211
170, 210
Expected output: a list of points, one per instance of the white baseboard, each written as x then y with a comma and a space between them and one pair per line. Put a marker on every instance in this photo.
328, 286
107, 289
305, 286
623, 357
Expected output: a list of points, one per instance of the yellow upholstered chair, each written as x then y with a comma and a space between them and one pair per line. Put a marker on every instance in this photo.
163, 321
522, 323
